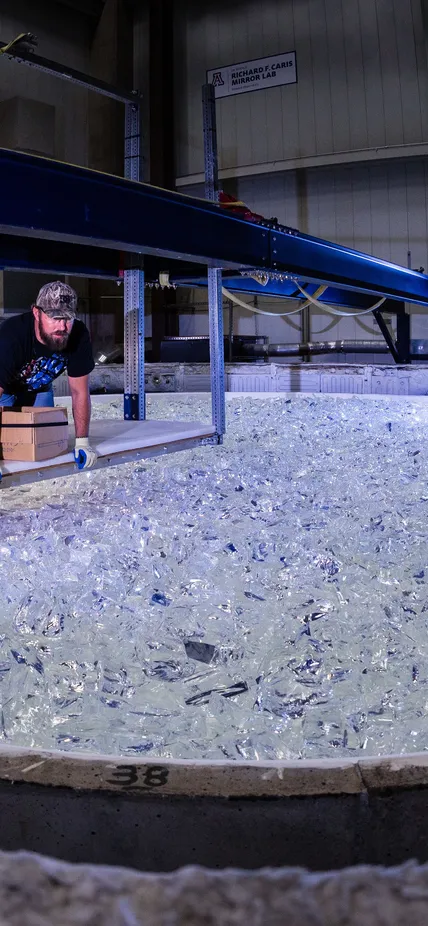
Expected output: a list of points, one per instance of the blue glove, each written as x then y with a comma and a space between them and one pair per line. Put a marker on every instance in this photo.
84, 455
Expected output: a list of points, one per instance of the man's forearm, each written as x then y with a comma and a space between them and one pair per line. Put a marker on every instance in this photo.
81, 414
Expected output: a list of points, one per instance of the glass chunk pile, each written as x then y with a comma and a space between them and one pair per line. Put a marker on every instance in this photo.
266, 599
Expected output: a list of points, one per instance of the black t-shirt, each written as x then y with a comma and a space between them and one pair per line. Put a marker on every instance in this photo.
26, 365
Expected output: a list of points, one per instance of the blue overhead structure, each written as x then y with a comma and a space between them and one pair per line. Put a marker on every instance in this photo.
65, 219
99, 216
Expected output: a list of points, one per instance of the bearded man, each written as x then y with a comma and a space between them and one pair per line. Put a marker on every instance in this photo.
38, 346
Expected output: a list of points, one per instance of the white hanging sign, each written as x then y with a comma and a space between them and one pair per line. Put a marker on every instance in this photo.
254, 75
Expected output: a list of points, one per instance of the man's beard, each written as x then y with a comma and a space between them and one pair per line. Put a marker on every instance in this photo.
53, 341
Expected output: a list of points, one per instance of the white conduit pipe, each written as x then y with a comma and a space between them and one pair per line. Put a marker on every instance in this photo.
251, 308
329, 308
310, 300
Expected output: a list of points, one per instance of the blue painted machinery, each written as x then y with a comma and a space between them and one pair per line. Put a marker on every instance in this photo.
64, 219
67, 219
88, 221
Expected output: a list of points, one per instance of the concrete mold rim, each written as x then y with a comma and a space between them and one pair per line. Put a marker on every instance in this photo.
224, 779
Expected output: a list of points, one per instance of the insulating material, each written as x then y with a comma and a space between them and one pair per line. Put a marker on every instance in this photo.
37, 891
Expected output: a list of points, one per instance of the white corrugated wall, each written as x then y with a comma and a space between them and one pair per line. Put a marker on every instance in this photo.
342, 154
361, 78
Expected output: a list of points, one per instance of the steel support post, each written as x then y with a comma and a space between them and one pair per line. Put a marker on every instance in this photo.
215, 308
210, 143
215, 296
134, 390
134, 393
162, 146
231, 313
305, 321
403, 333
400, 348
377, 314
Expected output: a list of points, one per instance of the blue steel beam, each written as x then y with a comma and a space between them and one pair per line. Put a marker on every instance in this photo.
343, 267
45, 199
58, 257
55, 201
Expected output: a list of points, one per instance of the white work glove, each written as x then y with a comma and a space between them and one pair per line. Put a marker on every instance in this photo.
84, 455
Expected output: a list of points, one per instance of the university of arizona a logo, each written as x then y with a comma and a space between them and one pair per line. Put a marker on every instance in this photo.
217, 80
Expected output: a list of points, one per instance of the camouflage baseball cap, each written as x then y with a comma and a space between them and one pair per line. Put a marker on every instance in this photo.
57, 300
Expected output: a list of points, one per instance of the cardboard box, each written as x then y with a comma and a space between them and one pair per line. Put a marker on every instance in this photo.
33, 434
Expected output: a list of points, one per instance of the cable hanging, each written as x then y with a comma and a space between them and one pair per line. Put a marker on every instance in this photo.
333, 311
310, 300
252, 308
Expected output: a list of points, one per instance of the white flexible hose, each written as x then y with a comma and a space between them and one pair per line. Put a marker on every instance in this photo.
329, 308
310, 300
252, 308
